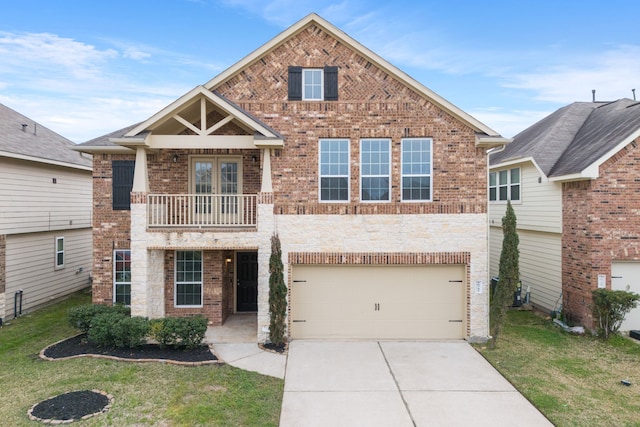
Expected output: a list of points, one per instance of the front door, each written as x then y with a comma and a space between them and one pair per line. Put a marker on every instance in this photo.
247, 271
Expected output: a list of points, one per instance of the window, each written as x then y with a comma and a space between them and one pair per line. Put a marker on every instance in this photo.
416, 169
122, 276
504, 185
313, 84
59, 252
374, 170
122, 183
188, 291
334, 170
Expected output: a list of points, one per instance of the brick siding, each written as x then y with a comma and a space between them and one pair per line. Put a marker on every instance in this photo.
601, 224
217, 288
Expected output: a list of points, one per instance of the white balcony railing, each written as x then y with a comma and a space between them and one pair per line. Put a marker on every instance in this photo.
200, 210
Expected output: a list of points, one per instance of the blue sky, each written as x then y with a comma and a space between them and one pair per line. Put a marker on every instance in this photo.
86, 68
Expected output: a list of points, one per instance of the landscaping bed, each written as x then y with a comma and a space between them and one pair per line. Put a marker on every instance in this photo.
79, 346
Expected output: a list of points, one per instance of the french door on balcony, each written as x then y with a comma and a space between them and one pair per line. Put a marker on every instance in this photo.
216, 183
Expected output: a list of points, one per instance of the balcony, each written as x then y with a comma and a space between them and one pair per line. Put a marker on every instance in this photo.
201, 210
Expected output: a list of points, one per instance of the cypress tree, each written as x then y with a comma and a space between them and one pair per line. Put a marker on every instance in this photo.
277, 294
509, 274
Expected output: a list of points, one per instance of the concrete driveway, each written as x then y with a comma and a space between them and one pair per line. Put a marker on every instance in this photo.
392, 383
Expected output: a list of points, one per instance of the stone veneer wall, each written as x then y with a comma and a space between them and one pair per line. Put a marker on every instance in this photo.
394, 239
601, 224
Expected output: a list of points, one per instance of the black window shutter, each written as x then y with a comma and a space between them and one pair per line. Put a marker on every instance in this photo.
122, 183
295, 83
330, 83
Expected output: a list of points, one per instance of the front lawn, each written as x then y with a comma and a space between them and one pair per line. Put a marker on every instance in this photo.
145, 393
573, 380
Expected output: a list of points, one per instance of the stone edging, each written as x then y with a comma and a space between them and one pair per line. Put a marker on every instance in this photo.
56, 421
124, 359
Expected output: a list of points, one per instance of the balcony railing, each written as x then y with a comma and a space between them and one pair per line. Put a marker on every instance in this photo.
201, 210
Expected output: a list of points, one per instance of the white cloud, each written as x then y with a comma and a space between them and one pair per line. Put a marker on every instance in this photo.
612, 73
508, 123
49, 53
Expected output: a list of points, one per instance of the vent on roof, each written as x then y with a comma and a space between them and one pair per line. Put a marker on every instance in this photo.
593, 95
24, 127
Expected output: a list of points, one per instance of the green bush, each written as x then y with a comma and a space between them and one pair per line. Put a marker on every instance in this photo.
609, 309
116, 329
185, 332
131, 331
81, 316
102, 327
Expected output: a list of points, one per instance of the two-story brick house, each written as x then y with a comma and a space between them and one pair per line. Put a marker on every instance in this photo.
375, 185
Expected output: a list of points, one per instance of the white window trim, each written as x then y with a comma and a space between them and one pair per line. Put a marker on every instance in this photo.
175, 281
114, 272
508, 185
320, 176
57, 252
321, 71
402, 175
388, 176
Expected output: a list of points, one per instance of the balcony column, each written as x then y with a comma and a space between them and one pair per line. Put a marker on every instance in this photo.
266, 171
140, 174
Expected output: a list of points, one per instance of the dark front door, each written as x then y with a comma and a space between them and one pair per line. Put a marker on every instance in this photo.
247, 269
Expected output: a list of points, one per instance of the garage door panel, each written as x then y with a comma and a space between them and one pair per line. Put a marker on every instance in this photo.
386, 302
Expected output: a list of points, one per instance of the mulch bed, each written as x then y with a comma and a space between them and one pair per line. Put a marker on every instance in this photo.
79, 346
71, 406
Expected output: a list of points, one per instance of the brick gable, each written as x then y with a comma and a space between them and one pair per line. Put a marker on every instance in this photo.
601, 224
372, 104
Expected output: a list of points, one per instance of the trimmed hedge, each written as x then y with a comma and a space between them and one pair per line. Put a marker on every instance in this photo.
81, 316
113, 326
185, 332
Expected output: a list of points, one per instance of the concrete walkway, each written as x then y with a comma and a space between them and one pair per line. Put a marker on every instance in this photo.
391, 383
235, 344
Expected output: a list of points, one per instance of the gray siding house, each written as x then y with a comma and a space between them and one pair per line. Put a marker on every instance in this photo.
45, 215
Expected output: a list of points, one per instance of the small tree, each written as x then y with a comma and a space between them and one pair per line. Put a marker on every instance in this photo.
609, 309
277, 293
509, 274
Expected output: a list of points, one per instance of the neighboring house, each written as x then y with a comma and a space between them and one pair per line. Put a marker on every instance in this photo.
573, 179
375, 185
45, 215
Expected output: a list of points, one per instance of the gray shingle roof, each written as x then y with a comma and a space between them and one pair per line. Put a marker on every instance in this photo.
575, 136
103, 141
35, 140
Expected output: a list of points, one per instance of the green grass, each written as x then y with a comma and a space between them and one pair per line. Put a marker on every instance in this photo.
573, 380
153, 394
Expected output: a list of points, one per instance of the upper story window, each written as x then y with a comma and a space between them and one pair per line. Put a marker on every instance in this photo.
59, 252
375, 170
313, 84
122, 183
334, 170
416, 169
504, 185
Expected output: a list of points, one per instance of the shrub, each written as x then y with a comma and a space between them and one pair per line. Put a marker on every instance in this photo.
609, 309
102, 328
131, 331
116, 329
185, 332
81, 316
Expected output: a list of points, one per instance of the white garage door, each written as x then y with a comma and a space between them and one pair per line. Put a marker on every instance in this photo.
383, 302
625, 276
